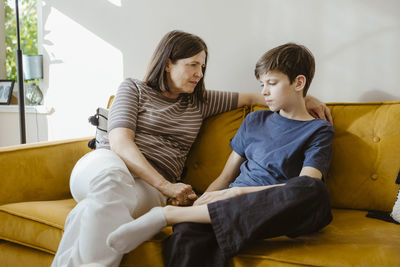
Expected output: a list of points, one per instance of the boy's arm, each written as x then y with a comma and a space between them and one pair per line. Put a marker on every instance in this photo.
311, 171
229, 173
209, 197
305, 171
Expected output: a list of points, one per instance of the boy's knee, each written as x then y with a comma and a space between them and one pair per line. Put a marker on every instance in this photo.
319, 194
308, 181
316, 187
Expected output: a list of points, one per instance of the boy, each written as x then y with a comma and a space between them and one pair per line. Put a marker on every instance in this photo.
273, 176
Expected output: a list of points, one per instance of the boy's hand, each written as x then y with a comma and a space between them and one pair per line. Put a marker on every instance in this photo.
213, 196
317, 109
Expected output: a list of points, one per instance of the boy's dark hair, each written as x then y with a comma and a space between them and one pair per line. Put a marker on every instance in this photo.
175, 45
291, 59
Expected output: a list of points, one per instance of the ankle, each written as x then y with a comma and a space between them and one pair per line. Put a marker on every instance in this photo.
166, 211
169, 216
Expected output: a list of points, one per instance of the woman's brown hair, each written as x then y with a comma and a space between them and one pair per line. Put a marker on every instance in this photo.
175, 45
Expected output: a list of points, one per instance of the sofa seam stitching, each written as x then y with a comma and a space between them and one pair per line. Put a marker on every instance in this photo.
33, 218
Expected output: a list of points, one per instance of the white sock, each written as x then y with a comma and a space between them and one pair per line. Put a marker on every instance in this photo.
396, 209
130, 235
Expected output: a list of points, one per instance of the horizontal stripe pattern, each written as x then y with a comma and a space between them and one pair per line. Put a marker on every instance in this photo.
164, 128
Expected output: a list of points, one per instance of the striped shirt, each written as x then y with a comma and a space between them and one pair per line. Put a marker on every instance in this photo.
165, 128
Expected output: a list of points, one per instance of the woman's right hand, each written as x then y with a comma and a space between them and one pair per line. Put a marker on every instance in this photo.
180, 193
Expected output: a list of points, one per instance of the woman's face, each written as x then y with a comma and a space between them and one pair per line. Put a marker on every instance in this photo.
184, 74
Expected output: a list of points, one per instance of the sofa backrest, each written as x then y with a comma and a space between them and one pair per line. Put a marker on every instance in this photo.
366, 155
211, 149
365, 160
39, 171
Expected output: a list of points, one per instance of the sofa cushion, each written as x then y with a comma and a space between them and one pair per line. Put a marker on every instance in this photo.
12, 255
351, 239
40, 224
211, 149
365, 159
37, 224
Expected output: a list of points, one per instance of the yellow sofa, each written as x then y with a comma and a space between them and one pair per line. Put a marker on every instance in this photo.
35, 197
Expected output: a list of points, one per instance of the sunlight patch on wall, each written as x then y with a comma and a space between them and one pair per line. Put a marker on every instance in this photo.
83, 71
115, 2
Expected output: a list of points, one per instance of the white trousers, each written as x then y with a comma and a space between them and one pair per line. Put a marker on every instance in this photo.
108, 196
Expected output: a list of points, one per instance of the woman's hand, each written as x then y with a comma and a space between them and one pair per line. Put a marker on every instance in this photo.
181, 194
317, 109
213, 196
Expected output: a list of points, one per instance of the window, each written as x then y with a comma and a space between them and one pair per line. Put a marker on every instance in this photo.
28, 32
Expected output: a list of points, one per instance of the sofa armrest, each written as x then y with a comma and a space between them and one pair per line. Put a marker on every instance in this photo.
38, 171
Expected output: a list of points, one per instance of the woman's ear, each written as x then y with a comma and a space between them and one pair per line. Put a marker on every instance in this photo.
168, 65
300, 82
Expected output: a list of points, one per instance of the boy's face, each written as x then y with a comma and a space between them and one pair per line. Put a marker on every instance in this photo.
277, 90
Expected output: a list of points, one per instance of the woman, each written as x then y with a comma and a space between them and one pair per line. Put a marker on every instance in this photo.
152, 125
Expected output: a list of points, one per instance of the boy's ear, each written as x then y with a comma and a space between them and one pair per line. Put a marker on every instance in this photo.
300, 82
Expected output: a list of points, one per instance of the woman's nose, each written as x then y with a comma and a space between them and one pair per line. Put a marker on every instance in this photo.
199, 73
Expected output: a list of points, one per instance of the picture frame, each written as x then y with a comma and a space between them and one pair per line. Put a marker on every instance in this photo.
6, 89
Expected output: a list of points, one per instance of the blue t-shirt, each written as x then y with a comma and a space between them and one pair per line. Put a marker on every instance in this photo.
277, 148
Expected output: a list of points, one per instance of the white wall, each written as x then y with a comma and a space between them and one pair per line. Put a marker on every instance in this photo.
90, 46
35, 121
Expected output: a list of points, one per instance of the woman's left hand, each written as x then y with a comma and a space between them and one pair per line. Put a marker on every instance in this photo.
317, 109
180, 194
213, 196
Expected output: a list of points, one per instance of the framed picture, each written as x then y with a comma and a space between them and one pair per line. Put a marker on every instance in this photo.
6, 88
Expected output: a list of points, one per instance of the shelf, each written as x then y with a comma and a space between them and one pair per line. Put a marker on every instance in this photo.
28, 109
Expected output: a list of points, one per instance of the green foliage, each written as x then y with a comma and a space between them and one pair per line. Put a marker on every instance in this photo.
28, 33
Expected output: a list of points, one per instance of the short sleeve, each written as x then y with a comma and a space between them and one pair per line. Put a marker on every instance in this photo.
124, 109
318, 152
218, 102
238, 143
